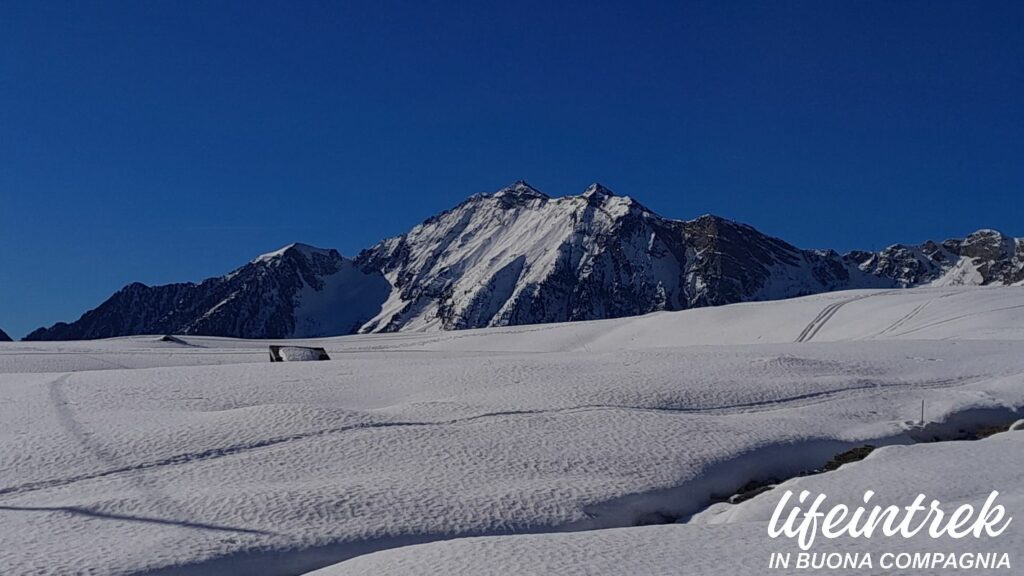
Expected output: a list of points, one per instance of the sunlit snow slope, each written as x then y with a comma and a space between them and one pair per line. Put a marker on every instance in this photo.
735, 542
132, 455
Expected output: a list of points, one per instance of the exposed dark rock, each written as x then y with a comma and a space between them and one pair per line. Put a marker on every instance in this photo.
851, 455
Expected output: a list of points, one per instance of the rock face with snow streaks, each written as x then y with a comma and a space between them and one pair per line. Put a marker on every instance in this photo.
520, 257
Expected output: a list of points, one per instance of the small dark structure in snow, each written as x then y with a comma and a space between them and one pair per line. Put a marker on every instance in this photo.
297, 354
173, 339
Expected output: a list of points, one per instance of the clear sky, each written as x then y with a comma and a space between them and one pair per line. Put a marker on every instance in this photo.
171, 141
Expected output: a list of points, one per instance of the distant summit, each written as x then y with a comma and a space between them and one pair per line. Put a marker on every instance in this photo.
522, 190
518, 256
298, 249
597, 190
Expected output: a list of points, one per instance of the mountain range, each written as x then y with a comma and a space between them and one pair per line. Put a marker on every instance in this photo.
518, 256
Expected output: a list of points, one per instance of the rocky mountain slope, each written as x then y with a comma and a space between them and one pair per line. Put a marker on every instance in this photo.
520, 257
982, 258
298, 291
4, 337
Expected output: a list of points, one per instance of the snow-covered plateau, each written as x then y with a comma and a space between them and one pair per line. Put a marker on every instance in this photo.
536, 449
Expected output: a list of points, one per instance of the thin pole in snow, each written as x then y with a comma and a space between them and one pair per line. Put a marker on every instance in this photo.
922, 412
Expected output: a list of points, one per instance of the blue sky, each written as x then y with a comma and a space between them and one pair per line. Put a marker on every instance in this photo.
171, 141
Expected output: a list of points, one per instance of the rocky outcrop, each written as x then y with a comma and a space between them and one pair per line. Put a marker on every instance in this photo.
982, 258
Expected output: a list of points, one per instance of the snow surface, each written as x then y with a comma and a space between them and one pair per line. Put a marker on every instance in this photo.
347, 299
735, 541
132, 455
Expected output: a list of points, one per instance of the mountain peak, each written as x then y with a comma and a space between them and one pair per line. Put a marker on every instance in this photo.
988, 244
4, 337
988, 233
520, 189
305, 250
712, 219
297, 248
597, 190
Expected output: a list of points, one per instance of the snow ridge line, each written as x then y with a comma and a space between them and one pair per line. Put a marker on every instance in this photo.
221, 452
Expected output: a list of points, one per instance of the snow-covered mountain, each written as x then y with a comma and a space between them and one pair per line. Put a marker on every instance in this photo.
982, 258
520, 257
4, 337
298, 291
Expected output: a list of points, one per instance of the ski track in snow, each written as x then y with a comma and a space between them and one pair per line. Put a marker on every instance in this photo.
908, 317
955, 318
826, 314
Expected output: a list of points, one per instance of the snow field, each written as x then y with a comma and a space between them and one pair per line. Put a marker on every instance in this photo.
246, 467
